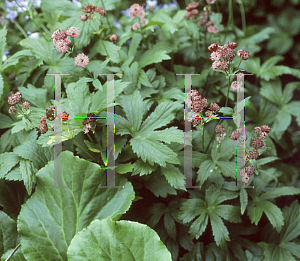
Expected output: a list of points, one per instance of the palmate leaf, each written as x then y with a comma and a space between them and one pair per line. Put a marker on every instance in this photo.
51, 217
120, 240
28, 171
220, 232
7, 161
174, 176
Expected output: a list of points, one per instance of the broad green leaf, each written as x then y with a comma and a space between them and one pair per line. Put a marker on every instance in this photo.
272, 91
273, 213
170, 225
168, 135
143, 79
5, 121
17, 256
110, 50
97, 67
215, 196
162, 115
220, 232
288, 91
292, 247
199, 225
123, 126
14, 174
8, 233
97, 84
134, 44
229, 213
293, 108
131, 76
153, 151
206, 168
124, 168
228, 168
254, 212
226, 110
1, 92
196, 254
3, 33
270, 63
282, 121
36, 96
51, 217
266, 160
142, 168
291, 228
28, 171
279, 192
7, 161
156, 211
14, 59
133, 106
174, 176
120, 240
277, 253
243, 200
191, 208
30, 150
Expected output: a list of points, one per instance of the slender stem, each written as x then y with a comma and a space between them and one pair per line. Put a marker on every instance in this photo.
106, 52
90, 138
21, 29
11, 254
106, 17
203, 138
242, 10
227, 91
84, 149
23, 113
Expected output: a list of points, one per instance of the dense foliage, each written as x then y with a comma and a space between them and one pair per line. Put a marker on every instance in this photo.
228, 47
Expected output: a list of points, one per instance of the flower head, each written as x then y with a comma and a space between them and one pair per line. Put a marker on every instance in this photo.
62, 46
73, 32
144, 21
235, 85
253, 154
84, 17
213, 47
42, 119
265, 128
250, 170
135, 26
209, 113
192, 6
87, 128
26, 105
212, 29
214, 107
210, 1
257, 143
43, 128
140, 14
59, 35
228, 54
113, 38
63, 116
81, 60
215, 56
223, 66
232, 45
101, 11
235, 134
50, 113
14, 98
12, 109
219, 129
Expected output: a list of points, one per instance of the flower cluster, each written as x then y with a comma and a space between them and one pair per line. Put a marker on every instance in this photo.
43, 128
219, 129
137, 11
50, 113
87, 122
91, 9
246, 173
60, 38
81, 60
113, 38
197, 104
222, 56
192, 10
14, 99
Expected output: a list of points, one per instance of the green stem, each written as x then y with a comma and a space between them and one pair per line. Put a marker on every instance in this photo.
106, 52
84, 149
107, 18
21, 29
90, 138
23, 113
203, 138
227, 91
242, 10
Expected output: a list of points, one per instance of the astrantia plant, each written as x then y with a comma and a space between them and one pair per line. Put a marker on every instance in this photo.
147, 155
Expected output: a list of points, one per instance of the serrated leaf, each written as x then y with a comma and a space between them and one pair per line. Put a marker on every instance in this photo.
124, 239
14, 59
7, 161
282, 121
206, 168
174, 176
191, 208
151, 56
110, 50
228, 168
28, 171
199, 225
291, 228
170, 225
220, 232
288, 91
272, 91
159, 186
168, 135
45, 235
143, 79
228, 212
243, 200
134, 44
279, 192
142, 168
263, 161
5, 120
124, 168
156, 210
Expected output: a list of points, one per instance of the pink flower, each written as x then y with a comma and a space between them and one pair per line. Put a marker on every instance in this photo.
216, 65
73, 32
84, 17
12, 109
214, 107
101, 11
58, 35
210, 23
131, 14
192, 6
264, 135
202, 21
215, 56
81, 60
232, 45
257, 143
26, 105
140, 14
61, 46
212, 29
257, 130
210, 1
135, 26
43, 128
14, 98
223, 66
219, 129
87, 128
265, 128
208, 113
136, 7
144, 21
228, 54
213, 47
235, 85
113, 38
219, 139
198, 103
42, 119
245, 55
253, 154
246, 157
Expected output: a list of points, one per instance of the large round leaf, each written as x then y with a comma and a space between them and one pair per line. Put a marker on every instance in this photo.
52, 216
120, 240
